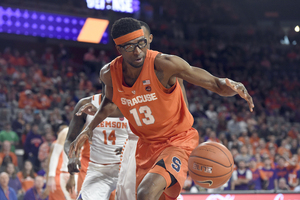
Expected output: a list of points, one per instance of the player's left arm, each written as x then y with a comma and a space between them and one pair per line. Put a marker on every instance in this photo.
174, 66
54, 154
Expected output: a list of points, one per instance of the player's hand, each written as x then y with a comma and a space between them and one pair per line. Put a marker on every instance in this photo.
87, 108
51, 185
241, 90
119, 150
76, 145
74, 165
70, 186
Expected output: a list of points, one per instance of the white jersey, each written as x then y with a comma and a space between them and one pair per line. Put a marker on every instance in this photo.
107, 137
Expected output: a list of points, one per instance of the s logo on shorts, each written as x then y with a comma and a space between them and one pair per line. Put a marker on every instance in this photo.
176, 164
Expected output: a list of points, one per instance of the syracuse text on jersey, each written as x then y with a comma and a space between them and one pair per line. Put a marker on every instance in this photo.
139, 99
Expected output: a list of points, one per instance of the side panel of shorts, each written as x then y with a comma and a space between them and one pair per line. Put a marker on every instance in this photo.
100, 181
127, 176
175, 153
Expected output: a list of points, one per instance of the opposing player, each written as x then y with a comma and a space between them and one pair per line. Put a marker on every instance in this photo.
57, 170
102, 173
143, 85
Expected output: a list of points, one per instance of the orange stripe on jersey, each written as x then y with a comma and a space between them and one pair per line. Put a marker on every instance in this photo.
93, 97
154, 112
100, 96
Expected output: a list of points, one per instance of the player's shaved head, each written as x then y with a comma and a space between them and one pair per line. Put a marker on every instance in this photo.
144, 24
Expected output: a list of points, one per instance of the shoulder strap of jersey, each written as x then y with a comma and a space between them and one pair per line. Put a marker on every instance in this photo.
96, 100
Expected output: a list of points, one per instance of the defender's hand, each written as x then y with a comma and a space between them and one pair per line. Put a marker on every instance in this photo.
79, 141
241, 90
74, 164
51, 184
70, 186
87, 108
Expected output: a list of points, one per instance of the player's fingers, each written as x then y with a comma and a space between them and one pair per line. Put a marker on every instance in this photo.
230, 84
82, 109
78, 164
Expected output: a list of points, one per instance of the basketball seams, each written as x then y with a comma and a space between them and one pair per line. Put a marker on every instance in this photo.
211, 161
222, 151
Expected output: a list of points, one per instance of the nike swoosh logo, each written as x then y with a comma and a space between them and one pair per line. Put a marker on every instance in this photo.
120, 90
210, 182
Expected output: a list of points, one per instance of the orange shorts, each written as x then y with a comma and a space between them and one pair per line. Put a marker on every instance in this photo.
82, 172
170, 157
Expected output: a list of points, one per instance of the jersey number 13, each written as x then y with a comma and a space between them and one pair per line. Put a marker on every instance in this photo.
148, 119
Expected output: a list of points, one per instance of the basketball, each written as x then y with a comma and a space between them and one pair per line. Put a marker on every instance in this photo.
210, 165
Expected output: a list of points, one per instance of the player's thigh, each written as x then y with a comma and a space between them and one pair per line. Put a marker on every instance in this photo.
172, 164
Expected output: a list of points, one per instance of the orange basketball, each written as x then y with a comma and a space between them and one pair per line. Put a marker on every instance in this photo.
210, 165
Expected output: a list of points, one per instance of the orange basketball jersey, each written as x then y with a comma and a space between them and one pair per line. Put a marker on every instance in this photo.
154, 113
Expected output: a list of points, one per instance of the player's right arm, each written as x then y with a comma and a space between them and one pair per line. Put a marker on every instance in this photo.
75, 127
106, 108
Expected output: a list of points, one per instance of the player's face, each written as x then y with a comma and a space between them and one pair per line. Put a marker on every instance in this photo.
134, 51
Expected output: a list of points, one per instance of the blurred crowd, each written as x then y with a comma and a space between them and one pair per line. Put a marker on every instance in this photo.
38, 92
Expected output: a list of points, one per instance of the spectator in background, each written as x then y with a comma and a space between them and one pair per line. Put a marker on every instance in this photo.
6, 192
283, 150
32, 145
282, 185
89, 56
26, 176
243, 156
43, 171
48, 56
7, 156
281, 169
36, 192
211, 113
213, 137
294, 147
8, 135
26, 99
44, 149
14, 181
271, 175
233, 126
84, 83
258, 176
37, 119
27, 129
234, 143
18, 124
241, 177
28, 114
294, 167
42, 101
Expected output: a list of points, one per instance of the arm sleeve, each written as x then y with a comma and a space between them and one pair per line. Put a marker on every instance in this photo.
57, 149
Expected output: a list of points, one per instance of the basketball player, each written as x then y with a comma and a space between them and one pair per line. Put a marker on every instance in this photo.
143, 85
102, 172
57, 170
126, 181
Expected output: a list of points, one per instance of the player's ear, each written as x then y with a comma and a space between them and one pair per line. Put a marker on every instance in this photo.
118, 49
150, 38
